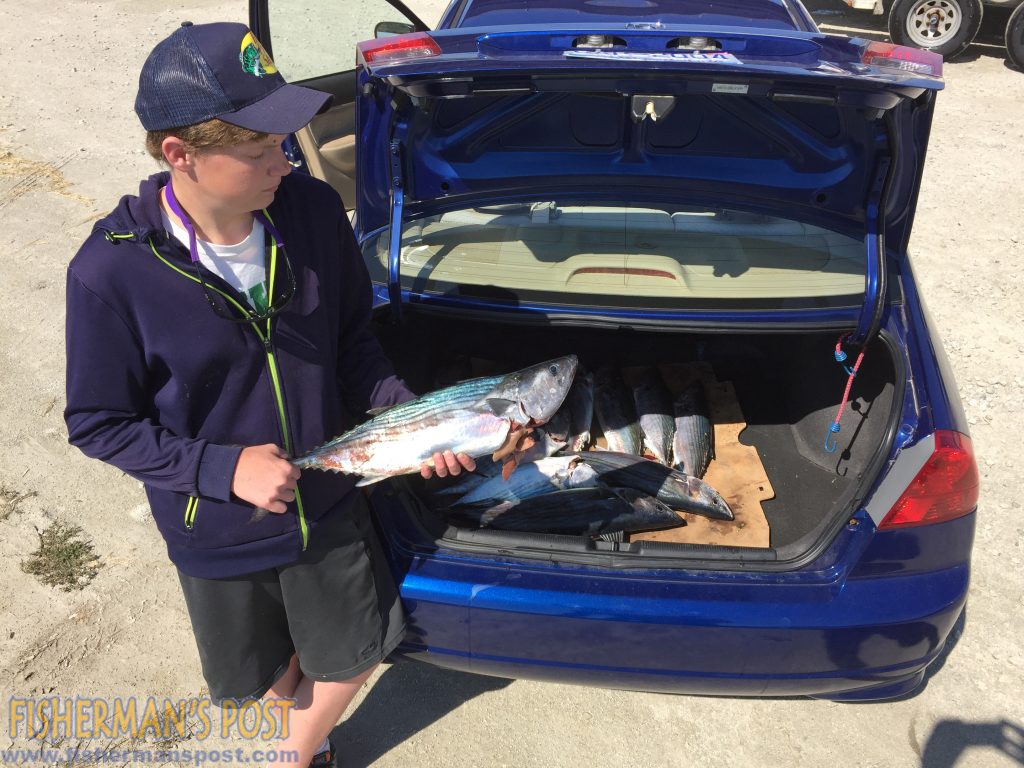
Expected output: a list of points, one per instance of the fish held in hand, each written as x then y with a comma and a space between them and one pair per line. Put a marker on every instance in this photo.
478, 417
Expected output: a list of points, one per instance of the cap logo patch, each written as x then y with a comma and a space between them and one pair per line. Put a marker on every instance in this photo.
254, 58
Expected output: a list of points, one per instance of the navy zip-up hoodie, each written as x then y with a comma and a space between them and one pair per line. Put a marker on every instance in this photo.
165, 390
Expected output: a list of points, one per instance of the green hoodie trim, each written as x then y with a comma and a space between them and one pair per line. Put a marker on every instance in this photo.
190, 512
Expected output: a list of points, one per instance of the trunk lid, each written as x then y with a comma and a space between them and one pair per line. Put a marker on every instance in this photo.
825, 131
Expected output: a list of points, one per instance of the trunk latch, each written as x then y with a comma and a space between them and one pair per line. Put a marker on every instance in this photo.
653, 107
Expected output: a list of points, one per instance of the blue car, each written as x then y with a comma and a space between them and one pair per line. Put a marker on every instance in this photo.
713, 189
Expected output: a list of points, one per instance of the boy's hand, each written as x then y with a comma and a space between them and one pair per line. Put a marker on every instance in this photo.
448, 463
264, 477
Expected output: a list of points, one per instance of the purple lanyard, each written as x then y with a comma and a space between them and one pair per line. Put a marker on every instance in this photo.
263, 216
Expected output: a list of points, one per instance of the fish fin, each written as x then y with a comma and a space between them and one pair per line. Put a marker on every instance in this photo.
500, 406
512, 440
378, 411
508, 468
525, 443
369, 480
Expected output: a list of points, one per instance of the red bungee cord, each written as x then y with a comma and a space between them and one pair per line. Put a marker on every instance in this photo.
831, 442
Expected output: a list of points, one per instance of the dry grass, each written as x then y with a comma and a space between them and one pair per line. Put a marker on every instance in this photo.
10, 500
63, 558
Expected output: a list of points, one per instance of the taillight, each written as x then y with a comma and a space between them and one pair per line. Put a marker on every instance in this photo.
416, 45
903, 58
945, 488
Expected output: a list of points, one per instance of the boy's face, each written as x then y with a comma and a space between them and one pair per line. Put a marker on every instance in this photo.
243, 177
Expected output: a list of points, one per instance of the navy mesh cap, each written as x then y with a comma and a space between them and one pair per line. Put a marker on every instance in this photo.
203, 71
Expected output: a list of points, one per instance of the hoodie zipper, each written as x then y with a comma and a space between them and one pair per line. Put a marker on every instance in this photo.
190, 512
268, 347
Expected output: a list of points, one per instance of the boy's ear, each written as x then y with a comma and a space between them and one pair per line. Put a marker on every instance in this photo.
176, 154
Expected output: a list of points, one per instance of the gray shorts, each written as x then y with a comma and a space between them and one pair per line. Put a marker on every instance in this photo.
337, 607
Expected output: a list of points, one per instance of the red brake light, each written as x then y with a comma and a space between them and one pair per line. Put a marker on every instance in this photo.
903, 58
416, 45
945, 488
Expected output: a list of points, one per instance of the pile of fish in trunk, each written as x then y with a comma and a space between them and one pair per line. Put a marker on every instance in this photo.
531, 431
562, 487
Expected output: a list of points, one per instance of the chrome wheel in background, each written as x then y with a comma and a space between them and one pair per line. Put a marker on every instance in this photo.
1015, 38
946, 27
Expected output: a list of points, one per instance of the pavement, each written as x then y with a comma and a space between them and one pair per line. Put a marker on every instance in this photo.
70, 145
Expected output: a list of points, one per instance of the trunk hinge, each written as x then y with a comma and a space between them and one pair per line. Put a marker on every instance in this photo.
395, 149
874, 241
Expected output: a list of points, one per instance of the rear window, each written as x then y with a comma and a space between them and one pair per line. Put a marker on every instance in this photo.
737, 13
624, 256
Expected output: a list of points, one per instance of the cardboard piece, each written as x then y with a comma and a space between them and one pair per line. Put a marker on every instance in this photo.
736, 471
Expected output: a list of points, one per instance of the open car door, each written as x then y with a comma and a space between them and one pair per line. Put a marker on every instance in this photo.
313, 42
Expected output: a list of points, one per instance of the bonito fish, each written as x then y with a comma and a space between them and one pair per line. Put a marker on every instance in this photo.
494, 415
694, 443
539, 444
654, 411
616, 413
557, 428
584, 511
532, 479
476, 417
580, 401
543, 446
678, 490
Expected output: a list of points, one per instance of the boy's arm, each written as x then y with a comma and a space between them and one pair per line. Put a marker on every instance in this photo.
106, 412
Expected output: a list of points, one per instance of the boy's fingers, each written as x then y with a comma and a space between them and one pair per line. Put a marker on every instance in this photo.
439, 465
447, 463
452, 463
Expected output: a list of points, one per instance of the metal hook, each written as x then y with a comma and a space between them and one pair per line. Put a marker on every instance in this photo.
832, 430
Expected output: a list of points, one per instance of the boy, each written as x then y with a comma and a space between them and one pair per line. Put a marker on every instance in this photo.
202, 351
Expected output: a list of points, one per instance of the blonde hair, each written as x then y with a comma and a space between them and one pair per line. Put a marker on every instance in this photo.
212, 134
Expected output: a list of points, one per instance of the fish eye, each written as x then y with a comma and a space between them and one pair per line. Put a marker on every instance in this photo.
553, 370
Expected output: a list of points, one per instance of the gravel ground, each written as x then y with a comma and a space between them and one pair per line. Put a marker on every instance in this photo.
69, 145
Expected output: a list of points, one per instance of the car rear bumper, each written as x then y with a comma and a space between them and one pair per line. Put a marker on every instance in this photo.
867, 635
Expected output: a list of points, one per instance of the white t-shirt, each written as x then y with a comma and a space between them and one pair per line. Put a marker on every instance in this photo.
242, 266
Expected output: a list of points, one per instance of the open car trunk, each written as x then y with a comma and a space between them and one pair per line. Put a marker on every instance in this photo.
787, 387
524, 195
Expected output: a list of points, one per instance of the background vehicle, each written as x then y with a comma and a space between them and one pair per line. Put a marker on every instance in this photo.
1015, 37
946, 27
523, 191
